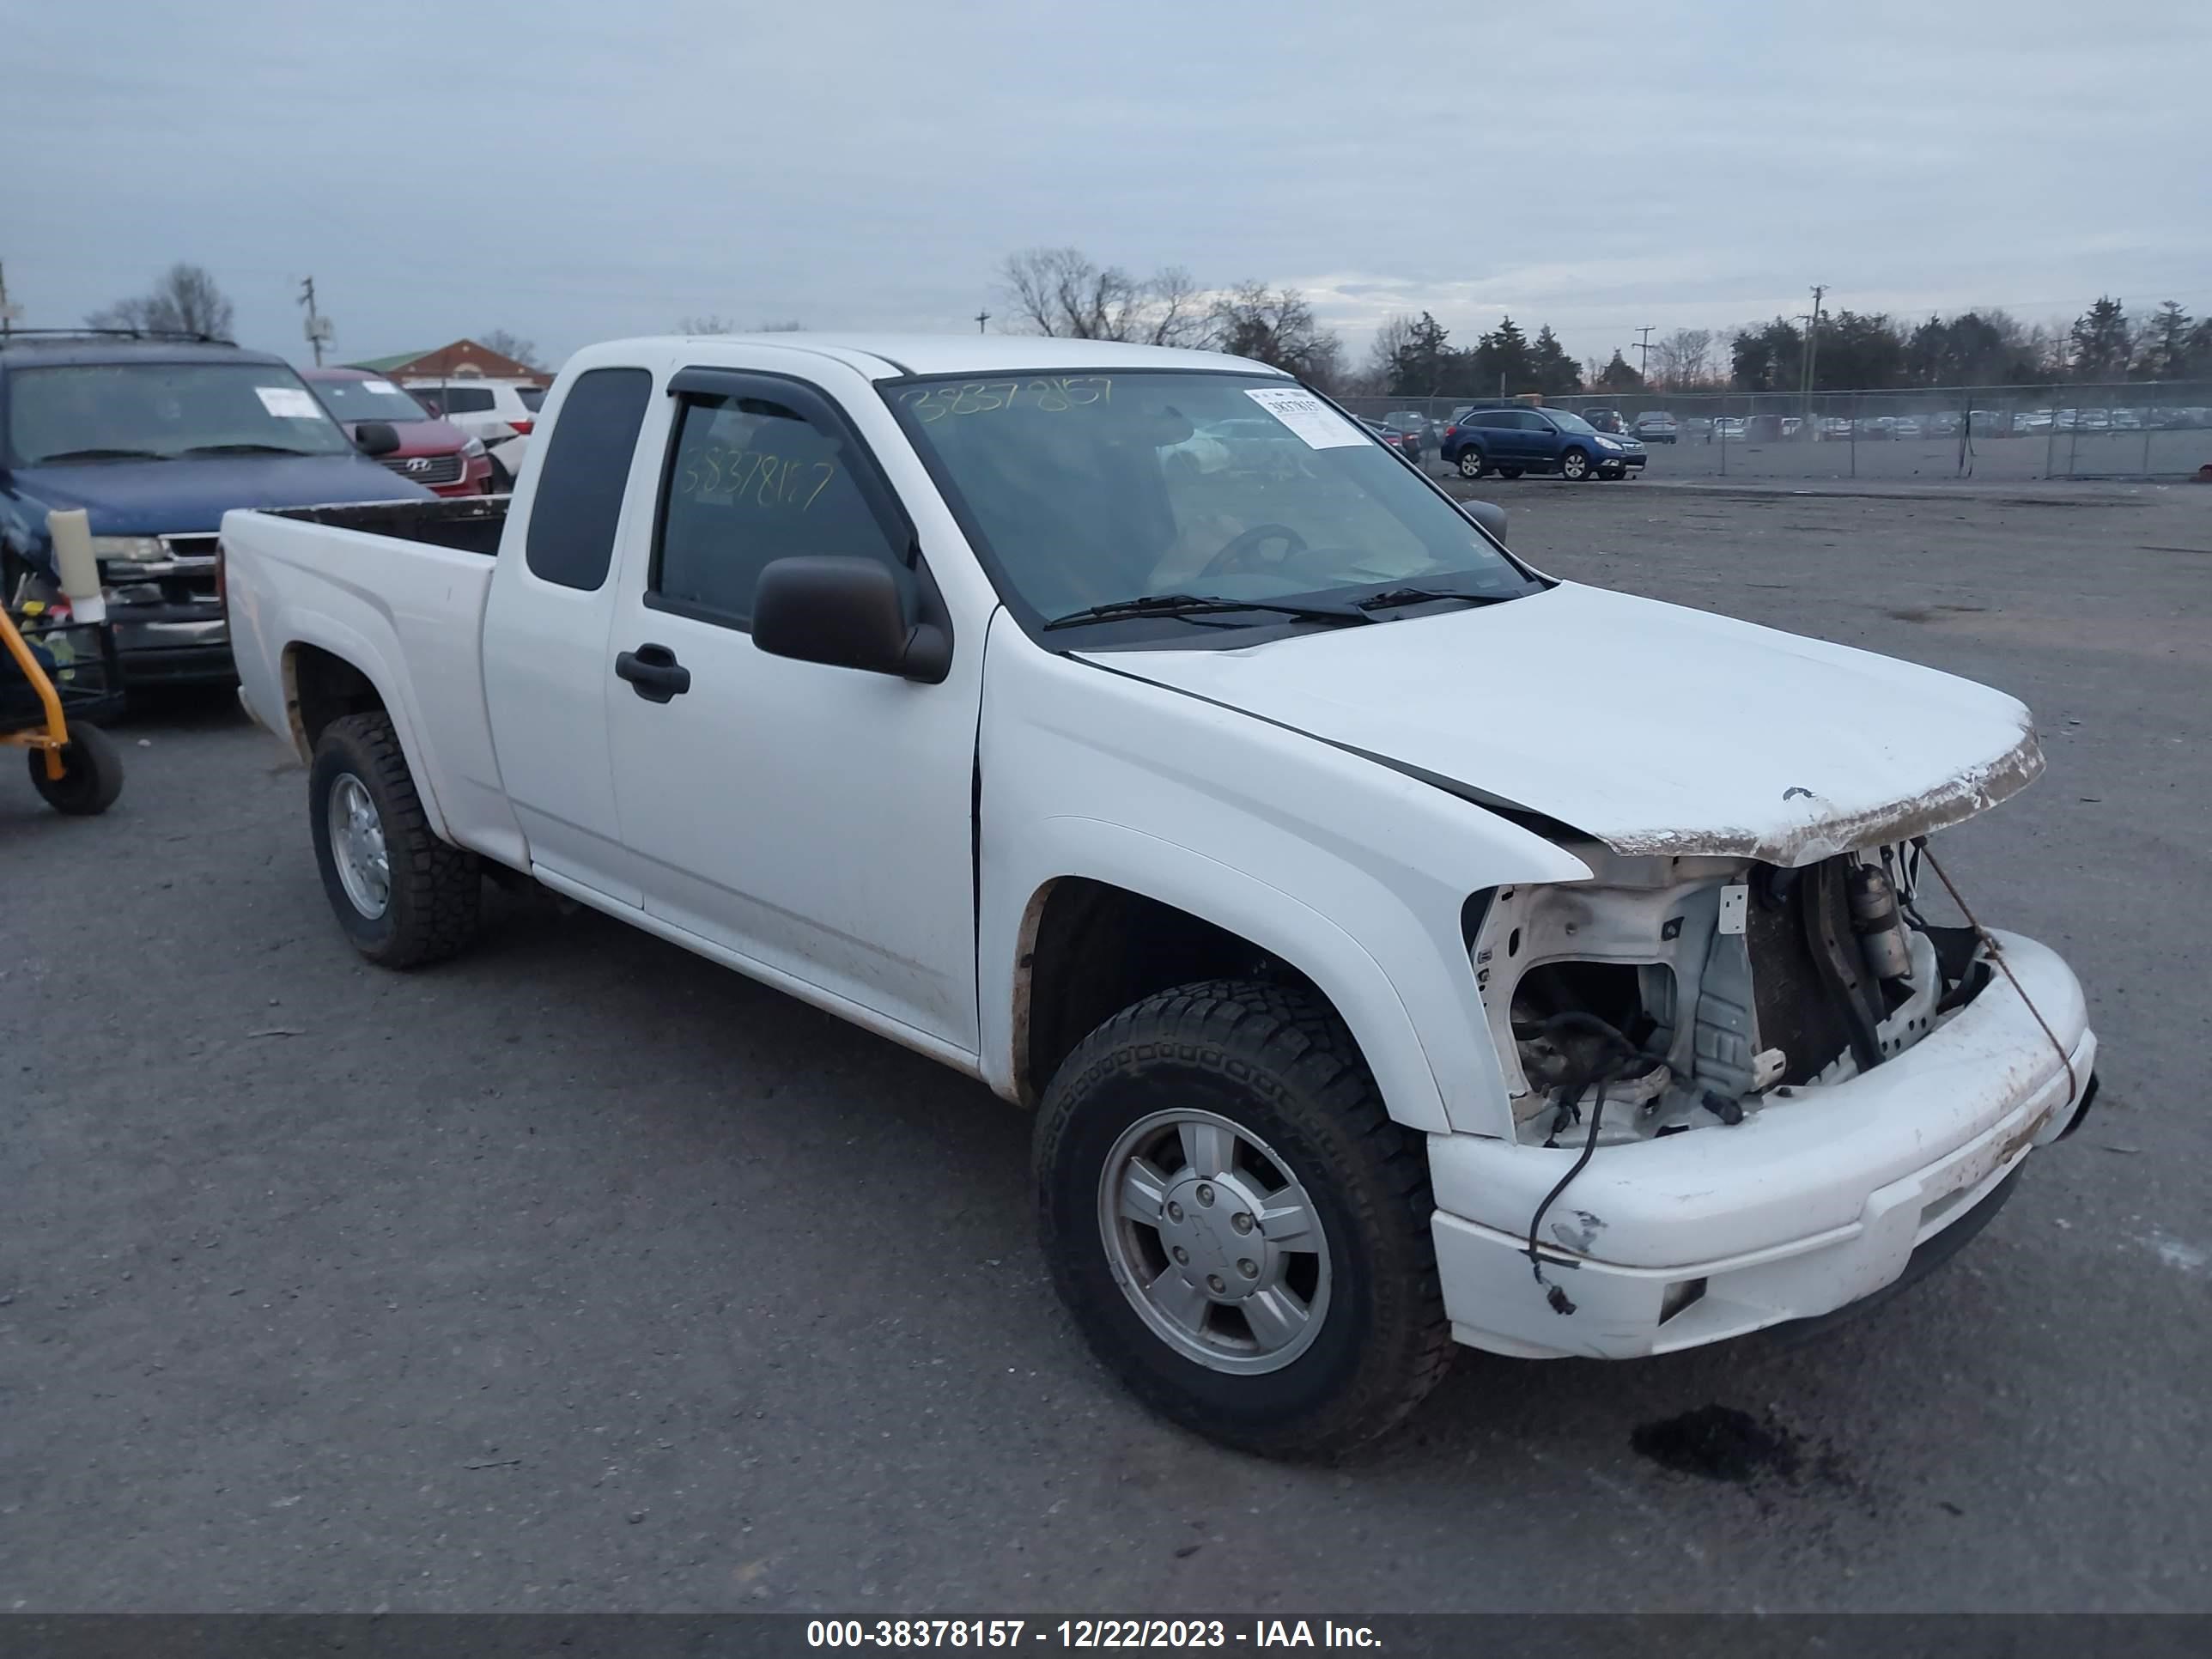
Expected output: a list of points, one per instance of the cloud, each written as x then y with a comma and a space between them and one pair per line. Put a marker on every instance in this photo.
574, 172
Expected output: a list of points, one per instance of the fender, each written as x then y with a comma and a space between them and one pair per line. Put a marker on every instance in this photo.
1274, 920
351, 646
1355, 873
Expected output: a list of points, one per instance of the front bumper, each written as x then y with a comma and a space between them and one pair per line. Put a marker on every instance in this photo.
189, 647
1809, 1205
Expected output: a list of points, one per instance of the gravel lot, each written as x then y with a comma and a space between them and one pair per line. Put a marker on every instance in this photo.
580, 1274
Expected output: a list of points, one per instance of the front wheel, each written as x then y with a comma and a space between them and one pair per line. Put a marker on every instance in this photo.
1236, 1225
1471, 463
404, 897
92, 774
1574, 466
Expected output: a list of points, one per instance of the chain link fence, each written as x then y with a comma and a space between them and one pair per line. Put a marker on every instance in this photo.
2136, 430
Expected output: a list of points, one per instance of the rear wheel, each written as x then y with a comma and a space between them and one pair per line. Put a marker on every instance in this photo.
1471, 463
1575, 466
92, 774
1236, 1225
404, 897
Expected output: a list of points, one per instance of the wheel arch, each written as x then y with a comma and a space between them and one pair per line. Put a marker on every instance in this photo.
339, 673
1092, 940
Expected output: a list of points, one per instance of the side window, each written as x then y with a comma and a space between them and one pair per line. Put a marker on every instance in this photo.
582, 477
751, 481
467, 399
1529, 420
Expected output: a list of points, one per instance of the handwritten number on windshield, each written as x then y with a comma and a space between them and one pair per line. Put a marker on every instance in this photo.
1053, 395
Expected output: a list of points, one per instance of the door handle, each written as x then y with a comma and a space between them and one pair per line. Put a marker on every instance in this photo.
653, 672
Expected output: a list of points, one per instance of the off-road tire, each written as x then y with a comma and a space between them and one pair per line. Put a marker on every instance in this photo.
436, 888
1279, 1060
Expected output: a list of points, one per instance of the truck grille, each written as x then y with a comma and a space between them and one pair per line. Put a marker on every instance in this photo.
428, 469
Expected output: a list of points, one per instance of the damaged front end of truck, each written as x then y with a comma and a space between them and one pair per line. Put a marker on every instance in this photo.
1753, 1080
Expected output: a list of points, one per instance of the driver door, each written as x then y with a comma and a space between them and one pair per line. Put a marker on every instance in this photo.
816, 821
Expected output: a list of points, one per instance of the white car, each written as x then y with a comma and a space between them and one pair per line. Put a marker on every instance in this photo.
1384, 963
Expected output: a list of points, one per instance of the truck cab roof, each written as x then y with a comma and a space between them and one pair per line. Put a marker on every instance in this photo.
895, 357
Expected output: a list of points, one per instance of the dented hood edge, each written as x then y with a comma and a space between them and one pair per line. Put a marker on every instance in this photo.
1970, 791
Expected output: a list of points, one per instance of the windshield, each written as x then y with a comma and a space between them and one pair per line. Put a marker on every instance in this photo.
1086, 490
1567, 422
368, 400
119, 411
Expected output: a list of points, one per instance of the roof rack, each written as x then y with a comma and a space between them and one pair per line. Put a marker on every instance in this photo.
91, 333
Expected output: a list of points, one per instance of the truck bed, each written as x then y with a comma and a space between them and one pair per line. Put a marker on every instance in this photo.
396, 590
465, 524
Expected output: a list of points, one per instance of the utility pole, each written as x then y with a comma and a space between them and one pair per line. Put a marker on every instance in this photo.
1644, 353
9, 312
982, 318
319, 326
1812, 345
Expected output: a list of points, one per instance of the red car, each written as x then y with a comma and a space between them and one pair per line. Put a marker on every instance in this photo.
432, 453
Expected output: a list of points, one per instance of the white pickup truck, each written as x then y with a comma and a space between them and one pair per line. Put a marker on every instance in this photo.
1397, 946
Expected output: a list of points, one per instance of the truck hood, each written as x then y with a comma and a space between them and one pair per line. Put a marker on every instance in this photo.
151, 498
1650, 727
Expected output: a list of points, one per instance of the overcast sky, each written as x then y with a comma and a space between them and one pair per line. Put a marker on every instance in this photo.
578, 171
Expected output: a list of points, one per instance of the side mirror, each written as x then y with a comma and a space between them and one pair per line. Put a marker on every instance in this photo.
376, 437
1489, 516
848, 613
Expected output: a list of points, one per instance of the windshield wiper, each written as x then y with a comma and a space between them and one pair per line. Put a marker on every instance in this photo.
250, 449
1200, 604
1397, 596
101, 455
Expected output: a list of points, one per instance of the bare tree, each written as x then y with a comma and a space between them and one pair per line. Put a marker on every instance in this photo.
1395, 337
1684, 359
511, 345
1278, 327
792, 327
184, 301
1063, 291
1173, 312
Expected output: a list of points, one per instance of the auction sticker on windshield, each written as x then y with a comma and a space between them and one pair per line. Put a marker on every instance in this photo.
288, 403
1321, 427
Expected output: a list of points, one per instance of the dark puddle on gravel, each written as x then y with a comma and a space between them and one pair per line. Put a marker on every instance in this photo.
1719, 1443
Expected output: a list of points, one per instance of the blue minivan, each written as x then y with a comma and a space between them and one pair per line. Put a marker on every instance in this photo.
1510, 442
156, 438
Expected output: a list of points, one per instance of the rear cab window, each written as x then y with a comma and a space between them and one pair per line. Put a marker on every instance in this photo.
582, 476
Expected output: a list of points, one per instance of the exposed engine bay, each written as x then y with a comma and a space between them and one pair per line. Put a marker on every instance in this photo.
1687, 993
